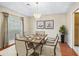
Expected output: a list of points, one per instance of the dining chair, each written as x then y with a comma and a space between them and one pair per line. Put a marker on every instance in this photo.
51, 39
38, 49
53, 43
19, 35
40, 33
23, 48
31, 35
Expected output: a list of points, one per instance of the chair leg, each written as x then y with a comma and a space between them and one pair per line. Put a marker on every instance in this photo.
17, 54
27, 53
55, 51
41, 50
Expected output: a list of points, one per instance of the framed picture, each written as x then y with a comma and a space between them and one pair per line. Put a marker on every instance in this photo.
40, 24
49, 24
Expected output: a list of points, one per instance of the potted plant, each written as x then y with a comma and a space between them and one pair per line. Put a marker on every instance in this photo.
62, 30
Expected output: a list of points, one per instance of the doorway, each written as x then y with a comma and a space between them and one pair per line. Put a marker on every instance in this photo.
76, 30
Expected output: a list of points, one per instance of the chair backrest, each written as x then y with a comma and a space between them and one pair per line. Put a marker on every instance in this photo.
23, 45
28, 34
40, 32
20, 47
18, 35
57, 38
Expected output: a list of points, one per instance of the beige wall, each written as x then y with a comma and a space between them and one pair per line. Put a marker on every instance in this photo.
59, 20
70, 25
27, 24
11, 12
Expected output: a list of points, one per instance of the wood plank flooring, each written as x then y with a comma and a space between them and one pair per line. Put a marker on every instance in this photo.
66, 50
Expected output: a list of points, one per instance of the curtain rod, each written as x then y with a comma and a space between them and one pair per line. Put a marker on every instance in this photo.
12, 14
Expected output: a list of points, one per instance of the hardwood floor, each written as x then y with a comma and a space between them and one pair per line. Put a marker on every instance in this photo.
66, 50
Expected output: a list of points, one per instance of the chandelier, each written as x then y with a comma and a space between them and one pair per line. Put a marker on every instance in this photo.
37, 15
36, 12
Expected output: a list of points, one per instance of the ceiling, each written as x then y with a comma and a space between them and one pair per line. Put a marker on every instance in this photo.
45, 8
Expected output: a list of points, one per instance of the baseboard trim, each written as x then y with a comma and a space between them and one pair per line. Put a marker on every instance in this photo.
7, 47
74, 51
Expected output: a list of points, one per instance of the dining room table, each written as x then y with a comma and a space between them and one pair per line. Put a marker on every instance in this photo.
36, 40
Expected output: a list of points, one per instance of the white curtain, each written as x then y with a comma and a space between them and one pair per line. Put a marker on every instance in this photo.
4, 29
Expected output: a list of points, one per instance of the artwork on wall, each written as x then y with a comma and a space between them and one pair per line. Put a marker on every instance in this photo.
46, 24
49, 24
40, 24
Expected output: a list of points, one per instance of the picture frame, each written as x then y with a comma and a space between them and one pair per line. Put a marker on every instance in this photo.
40, 24
49, 24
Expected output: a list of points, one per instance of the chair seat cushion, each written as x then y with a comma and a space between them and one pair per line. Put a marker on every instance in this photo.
50, 43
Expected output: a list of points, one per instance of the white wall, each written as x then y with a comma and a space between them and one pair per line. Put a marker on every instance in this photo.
70, 25
59, 20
